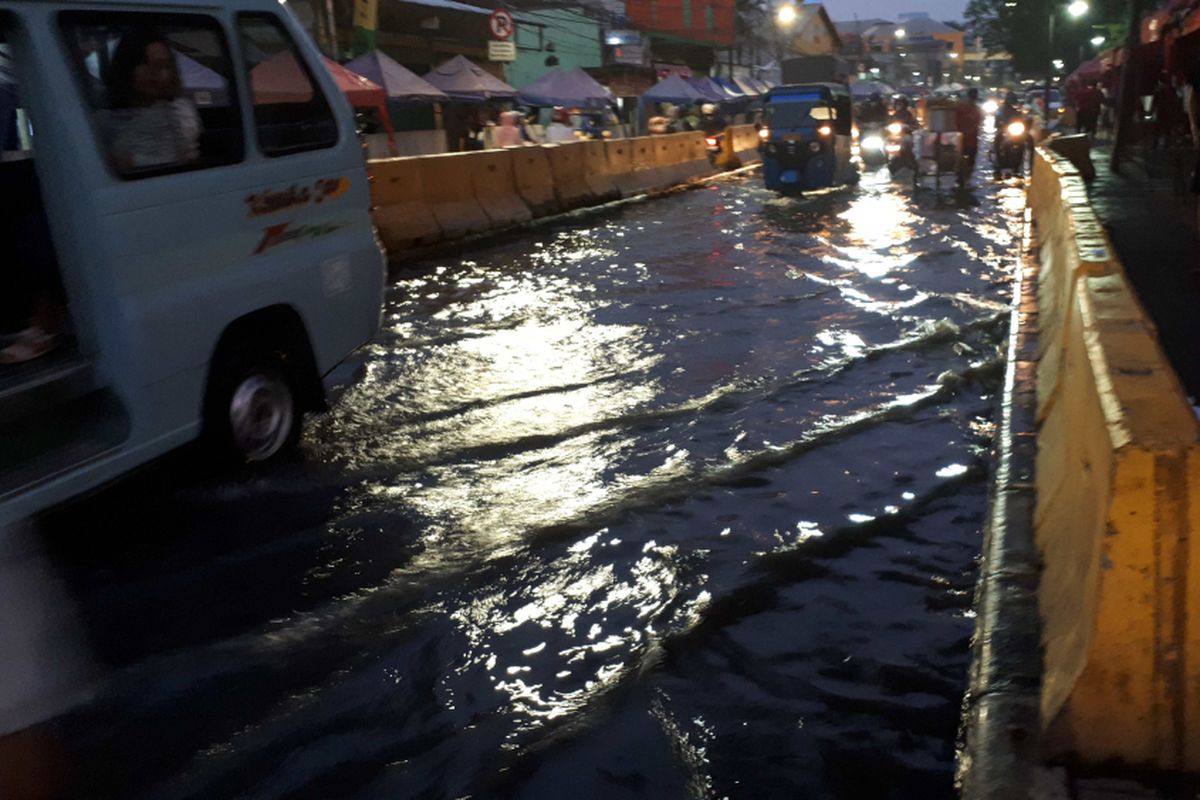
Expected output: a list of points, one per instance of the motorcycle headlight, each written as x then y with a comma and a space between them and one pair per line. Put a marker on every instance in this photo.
895, 129
825, 130
711, 141
872, 143
991, 107
1016, 128
764, 133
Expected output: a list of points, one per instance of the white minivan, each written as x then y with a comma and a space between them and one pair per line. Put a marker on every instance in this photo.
186, 244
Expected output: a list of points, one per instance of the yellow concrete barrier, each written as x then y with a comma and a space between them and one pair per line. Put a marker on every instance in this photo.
1077, 149
493, 179
401, 214
668, 160
447, 185
570, 181
598, 172
535, 181
693, 154
745, 143
620, 161
1117, 519
646, 176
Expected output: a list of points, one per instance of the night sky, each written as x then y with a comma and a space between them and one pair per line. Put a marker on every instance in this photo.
888, 9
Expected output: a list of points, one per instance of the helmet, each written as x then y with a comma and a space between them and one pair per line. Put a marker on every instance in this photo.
1010, 99
561, 115
876, 97
708, 109
901, 102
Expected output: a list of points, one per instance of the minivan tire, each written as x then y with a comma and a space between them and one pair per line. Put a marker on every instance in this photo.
253, 414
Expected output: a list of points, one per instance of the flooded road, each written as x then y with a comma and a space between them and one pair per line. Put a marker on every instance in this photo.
676, 499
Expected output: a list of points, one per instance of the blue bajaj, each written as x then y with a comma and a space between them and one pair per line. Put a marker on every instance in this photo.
805, 142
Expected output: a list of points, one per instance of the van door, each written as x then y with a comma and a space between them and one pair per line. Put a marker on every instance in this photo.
55, 412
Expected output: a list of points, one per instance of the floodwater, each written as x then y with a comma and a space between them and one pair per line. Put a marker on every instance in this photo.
676, 499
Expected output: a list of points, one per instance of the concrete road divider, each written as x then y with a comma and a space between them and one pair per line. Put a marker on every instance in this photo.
646, 176
597, 171
1077, 149
1117, 519
534, 180
619, 153
668, 159
745, 143
401, 213
448, 193
693, 154
494, 182
570, 182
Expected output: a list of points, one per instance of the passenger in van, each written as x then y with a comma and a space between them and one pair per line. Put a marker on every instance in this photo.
149, 123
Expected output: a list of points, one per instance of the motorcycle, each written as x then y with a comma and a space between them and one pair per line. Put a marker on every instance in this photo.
1011, 142
898, 148
713, 143
872, 147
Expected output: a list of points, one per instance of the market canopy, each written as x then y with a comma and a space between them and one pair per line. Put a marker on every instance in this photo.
573, 88
732, 89
206, 87
462, 80
868, 88
674, 90
281, 79
398, 82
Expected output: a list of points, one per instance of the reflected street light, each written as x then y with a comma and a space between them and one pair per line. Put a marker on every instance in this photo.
786, 15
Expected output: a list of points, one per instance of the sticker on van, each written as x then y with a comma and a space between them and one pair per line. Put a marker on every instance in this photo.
270, 201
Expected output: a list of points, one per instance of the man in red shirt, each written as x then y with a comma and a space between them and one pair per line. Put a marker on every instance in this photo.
968, 118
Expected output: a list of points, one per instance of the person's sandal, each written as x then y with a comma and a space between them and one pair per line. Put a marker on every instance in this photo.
29, 344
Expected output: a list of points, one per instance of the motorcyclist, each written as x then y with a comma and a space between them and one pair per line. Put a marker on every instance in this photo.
874, 112
968, 118
903, 114
711, 120
1011, 110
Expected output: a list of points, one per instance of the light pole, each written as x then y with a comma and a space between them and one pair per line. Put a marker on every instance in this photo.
1076, 9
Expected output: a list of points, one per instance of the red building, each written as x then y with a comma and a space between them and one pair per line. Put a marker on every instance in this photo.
708, 21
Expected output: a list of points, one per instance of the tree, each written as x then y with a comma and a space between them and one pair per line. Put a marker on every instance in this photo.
1021, 28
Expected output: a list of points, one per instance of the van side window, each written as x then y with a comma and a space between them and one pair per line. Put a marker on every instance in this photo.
291, 114
160, 87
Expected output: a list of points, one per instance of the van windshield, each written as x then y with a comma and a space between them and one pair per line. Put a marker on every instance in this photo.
798, 113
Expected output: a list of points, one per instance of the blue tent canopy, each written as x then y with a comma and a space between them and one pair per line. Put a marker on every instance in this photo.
711, 91
674, 89
461, 80
400, 83
731, 88
574, 88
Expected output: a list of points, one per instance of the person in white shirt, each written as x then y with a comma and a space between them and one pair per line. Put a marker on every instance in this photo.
560, 130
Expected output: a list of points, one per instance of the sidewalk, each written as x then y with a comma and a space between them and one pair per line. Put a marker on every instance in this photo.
1152, 222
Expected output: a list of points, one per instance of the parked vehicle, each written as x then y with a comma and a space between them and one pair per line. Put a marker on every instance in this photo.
806, 139
208, 233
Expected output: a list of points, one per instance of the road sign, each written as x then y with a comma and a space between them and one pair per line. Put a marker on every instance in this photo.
502, 51
501, 25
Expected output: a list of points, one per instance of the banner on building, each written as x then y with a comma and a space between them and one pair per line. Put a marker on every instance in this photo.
366, 24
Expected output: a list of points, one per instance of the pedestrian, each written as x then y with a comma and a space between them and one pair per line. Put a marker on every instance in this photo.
507, 133
529, 128
1087, 109
1191, 97
1166, 111
967, 118
559, 129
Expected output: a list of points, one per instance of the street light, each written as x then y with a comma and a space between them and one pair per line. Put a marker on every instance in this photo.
786, 15
1097, 41
1075, 9
901, 33
1057, 63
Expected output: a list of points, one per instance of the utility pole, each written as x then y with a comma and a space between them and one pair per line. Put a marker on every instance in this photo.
1126, 94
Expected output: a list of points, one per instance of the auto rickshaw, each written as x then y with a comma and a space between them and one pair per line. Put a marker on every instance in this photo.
805, 141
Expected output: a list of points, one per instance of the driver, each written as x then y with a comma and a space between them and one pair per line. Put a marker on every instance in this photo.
874, 112
903, 114
1011, 110
711, 119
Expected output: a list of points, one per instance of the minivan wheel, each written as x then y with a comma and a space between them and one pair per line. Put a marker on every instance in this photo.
262, 415
253, 415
